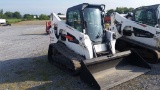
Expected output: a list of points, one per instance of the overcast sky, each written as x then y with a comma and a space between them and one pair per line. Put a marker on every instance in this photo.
48, 6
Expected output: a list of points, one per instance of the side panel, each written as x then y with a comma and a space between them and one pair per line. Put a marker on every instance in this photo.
83, 45
53, 38
140, 32
111, 37
100, 47
149, 36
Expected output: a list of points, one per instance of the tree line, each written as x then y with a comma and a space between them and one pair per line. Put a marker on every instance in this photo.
17, 15
120, 10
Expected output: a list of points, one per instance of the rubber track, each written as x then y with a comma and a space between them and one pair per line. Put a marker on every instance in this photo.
69, 59
152, 50
139, 44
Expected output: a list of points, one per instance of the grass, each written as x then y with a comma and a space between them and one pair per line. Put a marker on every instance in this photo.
11, 21
31, 22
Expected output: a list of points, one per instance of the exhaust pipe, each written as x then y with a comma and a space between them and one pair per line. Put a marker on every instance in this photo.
106, 72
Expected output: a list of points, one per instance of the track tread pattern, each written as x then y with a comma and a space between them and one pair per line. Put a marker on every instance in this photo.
68, 58
143, 48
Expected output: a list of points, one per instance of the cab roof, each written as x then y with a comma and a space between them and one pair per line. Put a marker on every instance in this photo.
83, 5
149, 7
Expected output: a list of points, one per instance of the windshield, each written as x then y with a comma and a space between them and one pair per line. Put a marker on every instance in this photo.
93, 20
146, 16
158, 16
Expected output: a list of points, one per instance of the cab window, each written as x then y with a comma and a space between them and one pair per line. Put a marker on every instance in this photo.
158, 16
147, 16
74, 20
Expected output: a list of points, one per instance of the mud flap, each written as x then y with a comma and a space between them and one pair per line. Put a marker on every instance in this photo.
106, 72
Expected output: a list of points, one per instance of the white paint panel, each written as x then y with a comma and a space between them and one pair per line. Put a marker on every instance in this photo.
2, 20
100, 47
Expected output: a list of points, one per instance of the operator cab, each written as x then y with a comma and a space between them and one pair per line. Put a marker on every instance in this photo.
149, 15
88, 19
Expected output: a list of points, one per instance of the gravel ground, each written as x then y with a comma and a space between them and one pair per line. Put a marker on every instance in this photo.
23, 61
24, 66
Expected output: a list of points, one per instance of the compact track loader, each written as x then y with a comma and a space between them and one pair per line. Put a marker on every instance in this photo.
141, 32
82, 46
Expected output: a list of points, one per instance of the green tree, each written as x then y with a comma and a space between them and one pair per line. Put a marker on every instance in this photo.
109, 12
120, 10
1, 13
43, 17
17, 15
130, 9
8, 14
124, 10
28, 17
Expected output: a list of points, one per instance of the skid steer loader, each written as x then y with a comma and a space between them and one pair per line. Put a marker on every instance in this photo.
141, 32
82, 45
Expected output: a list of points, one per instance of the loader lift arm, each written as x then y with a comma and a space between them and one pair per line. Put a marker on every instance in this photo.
141, 32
